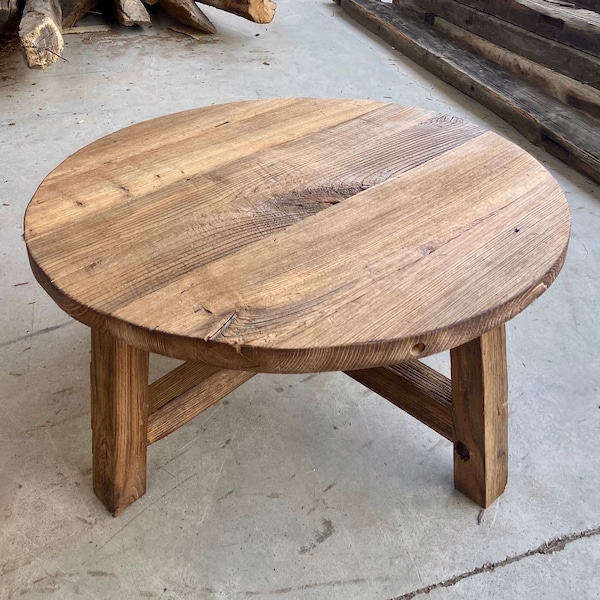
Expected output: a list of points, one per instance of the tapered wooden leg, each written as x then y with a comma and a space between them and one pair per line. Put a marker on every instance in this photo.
480, 417
119, 385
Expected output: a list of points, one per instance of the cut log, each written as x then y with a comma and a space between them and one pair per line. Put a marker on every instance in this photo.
40, 33
9, 11
259, 11
131, 12
188, 13
74, 10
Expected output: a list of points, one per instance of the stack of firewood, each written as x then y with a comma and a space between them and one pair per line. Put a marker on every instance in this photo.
40, 23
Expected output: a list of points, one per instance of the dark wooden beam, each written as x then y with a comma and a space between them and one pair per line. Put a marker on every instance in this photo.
567, 134
562, 23
556, 56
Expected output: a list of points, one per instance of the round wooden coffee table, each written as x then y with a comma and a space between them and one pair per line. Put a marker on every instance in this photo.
293, 236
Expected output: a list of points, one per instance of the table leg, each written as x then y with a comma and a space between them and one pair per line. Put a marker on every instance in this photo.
480, 416
119, 386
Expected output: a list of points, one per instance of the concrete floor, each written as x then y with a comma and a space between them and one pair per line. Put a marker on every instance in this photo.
296, 487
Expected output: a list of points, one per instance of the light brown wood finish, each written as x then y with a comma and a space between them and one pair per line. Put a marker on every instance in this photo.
480, 415
417, 389
470, 410
176, 382
259, 11
297, 235
183, 407
119, 385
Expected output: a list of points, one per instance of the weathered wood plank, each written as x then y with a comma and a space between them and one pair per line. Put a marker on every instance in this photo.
417, 389
588, 4
546, 122
566, 60
561, 22
480, 415
119, 386
564, 89
191, 403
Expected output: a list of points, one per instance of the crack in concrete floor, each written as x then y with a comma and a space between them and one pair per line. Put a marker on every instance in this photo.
554, 545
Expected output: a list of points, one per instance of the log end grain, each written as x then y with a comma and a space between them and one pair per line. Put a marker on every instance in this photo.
40, 34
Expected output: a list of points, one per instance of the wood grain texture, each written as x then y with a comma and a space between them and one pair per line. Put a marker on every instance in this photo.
417, 389
559, 57
188, 13
258, 11
189, 404
567, 134
119, 386
298, 235
40, 33
176, 382
480, 415
131, 12
568, 91
559, 21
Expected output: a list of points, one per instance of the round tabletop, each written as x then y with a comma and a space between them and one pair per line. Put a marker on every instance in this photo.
297, 235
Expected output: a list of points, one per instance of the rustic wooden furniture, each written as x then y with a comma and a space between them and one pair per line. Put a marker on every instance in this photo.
294, 236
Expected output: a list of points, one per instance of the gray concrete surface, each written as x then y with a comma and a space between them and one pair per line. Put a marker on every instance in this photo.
296, 487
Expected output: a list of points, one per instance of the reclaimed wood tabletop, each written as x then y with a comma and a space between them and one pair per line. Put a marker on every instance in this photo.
298, 235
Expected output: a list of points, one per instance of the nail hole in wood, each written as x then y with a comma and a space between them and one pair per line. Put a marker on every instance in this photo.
462, 451
417, 349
